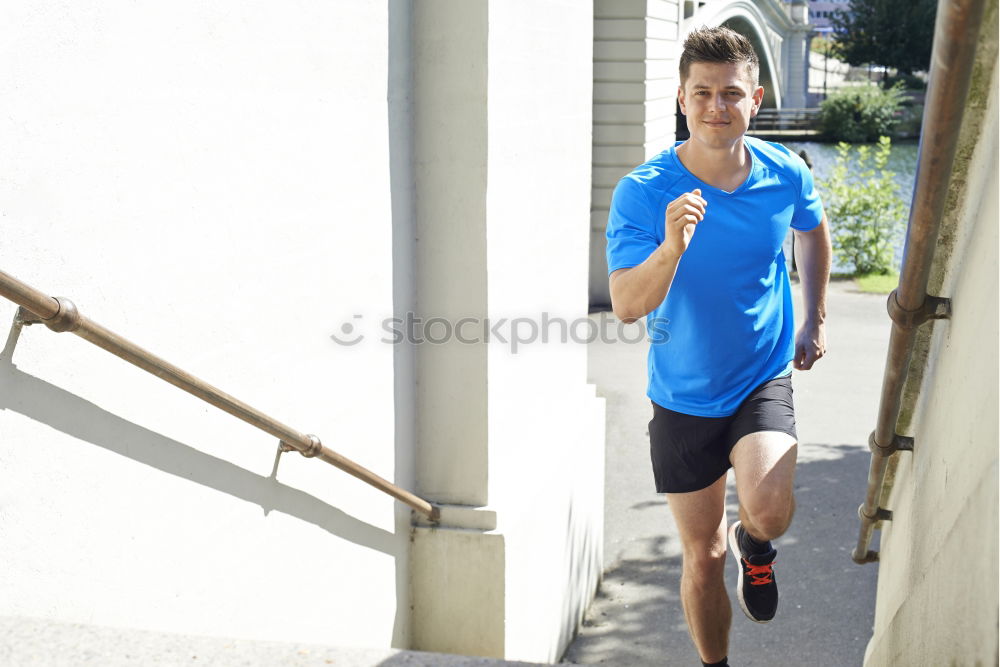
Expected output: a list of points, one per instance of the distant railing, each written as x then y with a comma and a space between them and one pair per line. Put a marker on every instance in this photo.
769, 120
60, 314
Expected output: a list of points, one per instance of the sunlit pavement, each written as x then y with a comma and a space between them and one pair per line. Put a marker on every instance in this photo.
827, 601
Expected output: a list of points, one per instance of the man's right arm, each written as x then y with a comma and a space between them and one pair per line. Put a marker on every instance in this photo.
636, 291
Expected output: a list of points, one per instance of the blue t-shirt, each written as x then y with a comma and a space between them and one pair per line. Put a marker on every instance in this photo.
726, 325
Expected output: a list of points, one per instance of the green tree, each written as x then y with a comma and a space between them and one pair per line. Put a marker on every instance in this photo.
892, 33
860, 113
865, 210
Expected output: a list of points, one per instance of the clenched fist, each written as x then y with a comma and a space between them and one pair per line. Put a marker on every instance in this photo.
683, 215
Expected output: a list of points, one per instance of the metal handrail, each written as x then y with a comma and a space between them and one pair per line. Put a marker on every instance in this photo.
785, 118
60, 314
909, 304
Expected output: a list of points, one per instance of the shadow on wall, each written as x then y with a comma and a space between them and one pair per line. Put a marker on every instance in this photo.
59, 409
583, 563
827, 601
399, 97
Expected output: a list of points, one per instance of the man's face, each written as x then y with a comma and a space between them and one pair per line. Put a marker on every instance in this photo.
719, 100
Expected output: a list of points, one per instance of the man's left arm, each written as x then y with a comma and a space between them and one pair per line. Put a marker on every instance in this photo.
812, 258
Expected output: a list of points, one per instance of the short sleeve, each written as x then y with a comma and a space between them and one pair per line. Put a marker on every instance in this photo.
631, 233
809, 208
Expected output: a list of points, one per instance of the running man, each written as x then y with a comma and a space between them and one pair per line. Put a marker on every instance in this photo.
695, 240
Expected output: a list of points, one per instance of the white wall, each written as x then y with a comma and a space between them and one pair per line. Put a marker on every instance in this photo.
546, 427
212, 182
636, 51
228, 189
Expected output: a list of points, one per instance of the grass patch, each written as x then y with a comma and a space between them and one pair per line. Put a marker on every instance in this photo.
877, 283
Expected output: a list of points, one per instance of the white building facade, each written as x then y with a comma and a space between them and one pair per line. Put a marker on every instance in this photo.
233, 189
821, 12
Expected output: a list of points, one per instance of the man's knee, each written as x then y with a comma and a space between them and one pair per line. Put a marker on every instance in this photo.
704, 566
769, 515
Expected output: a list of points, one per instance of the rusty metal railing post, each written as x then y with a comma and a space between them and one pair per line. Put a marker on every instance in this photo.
909, 305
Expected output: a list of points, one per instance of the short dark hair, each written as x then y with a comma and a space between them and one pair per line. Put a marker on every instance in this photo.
718, 45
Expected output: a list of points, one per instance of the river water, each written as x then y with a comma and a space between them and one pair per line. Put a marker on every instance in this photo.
902, 162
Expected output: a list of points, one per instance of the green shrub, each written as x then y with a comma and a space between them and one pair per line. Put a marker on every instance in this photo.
905, 81
860, 113
863, 204
909, 120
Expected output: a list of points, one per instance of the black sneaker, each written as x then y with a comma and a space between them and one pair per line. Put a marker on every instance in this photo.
755, 588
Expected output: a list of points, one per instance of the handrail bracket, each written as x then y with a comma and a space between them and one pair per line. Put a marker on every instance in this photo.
880, 514
900, 443
314, 448
67, 318
25, 318
933, 308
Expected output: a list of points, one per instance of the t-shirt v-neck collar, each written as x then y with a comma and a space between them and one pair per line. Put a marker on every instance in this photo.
746, 181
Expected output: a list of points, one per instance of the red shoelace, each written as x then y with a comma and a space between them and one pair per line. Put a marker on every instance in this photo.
759, 574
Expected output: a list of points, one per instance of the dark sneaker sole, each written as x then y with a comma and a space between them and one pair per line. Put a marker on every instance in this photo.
735, 547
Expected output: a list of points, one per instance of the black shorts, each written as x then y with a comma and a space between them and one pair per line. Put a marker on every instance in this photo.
691, 452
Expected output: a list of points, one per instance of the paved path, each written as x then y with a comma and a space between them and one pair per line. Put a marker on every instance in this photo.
827, 601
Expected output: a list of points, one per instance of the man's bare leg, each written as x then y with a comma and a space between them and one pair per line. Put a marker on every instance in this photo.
701, 522
765, 475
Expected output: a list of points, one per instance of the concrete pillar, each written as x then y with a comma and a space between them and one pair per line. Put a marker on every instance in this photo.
457, 567
795, 54
509, 440
458, 584
450, 126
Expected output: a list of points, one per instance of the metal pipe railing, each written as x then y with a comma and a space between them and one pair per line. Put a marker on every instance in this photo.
60, 314
909, 304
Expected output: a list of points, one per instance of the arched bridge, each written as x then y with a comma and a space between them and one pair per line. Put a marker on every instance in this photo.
779, 33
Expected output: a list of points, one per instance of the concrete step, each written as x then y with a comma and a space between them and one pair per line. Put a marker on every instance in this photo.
33, 641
